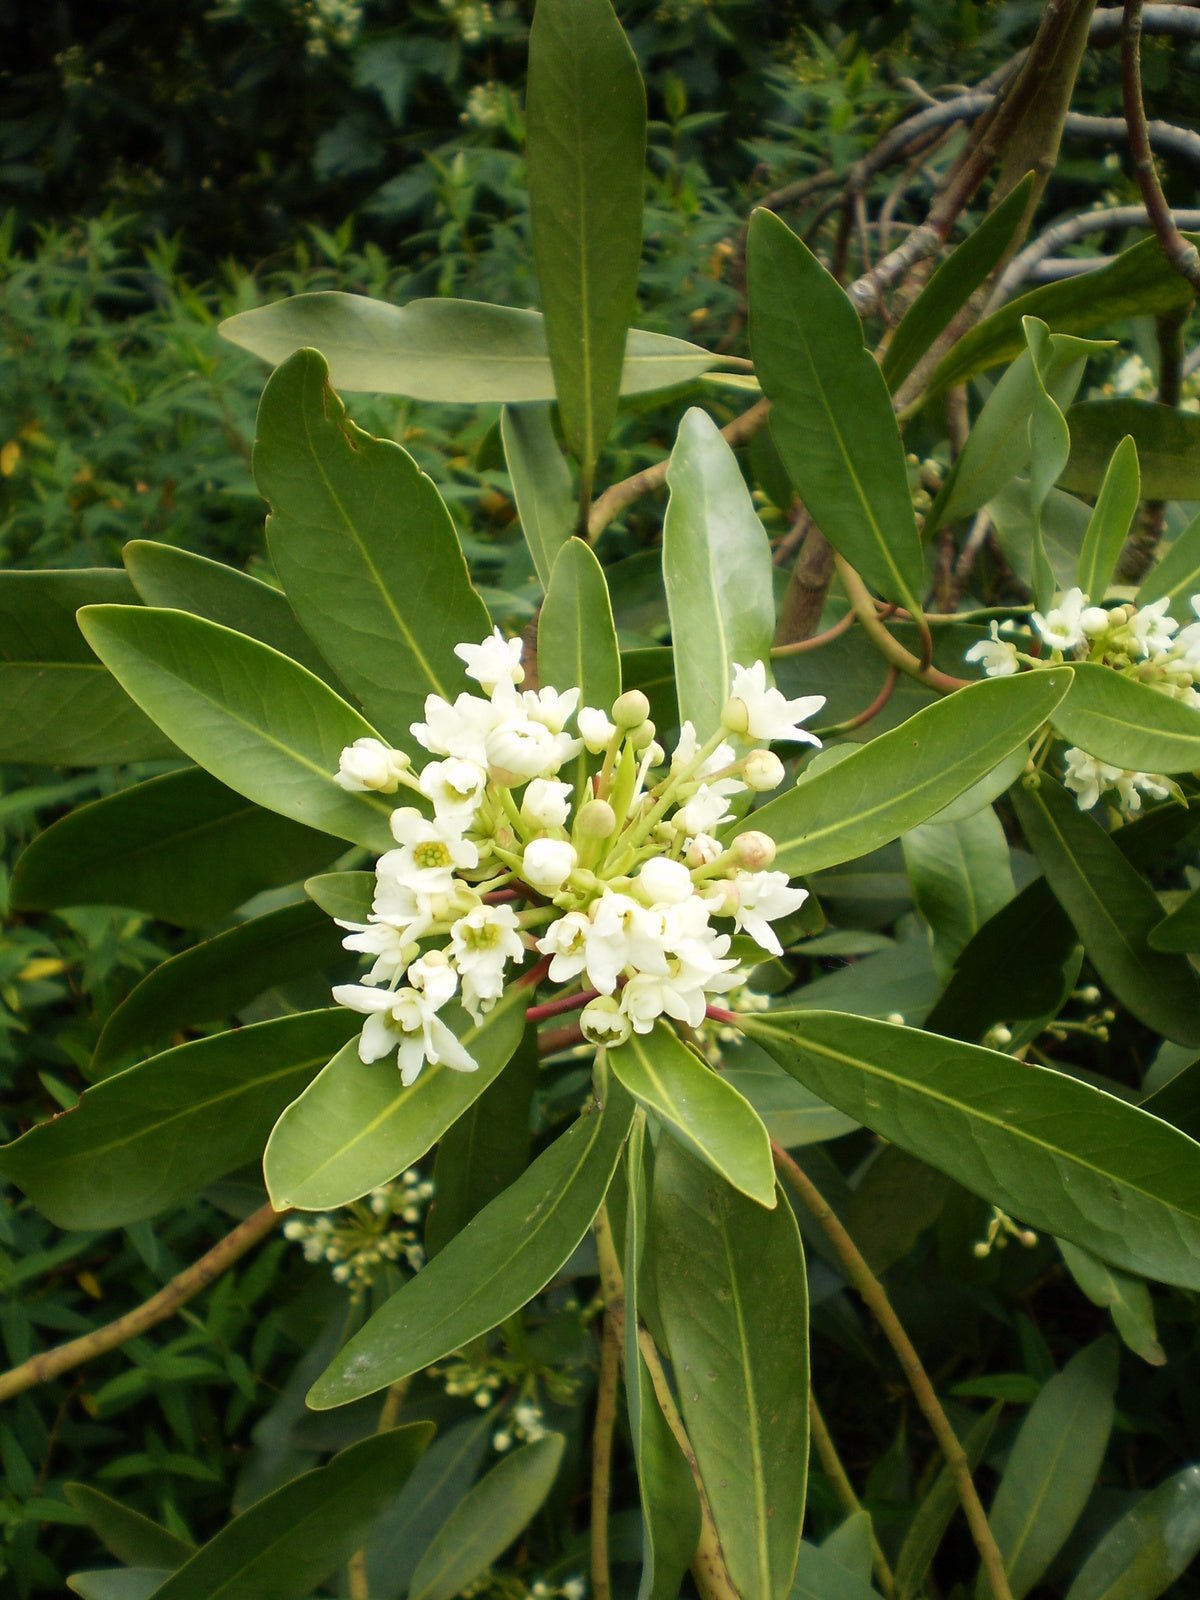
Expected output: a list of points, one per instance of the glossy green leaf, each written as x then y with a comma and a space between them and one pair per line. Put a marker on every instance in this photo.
1053, 1466
1167, 442
487, 1520
1127, 723
347, 896
1049, 446
125, 1533
213, 980
541, 483
906, 776
447, 351
1126, 1298
831, 414
1109, 524
577, 642
1152, 1545
933, 1515
152, 1136
258, 722
699, 1108
585, 130
285, 1544
733, 1299
1113, 909
364, 548
792, 1116
505, 1255
1049, 1149
1140, 282
1177, 575
356, 1125
716, 569
953, 284
961, 877
182, 847
60, 706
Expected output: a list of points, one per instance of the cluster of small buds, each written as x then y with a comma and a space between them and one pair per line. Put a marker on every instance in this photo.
507, 1586
1135, 378
488, 105
615, 880
331, 22
472, 18
359, 1240
478, 1382
1000, 1230
525, 1425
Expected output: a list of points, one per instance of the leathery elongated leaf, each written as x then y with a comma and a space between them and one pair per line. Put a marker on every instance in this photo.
906, 776
577, 640
356, 1125
258, 722
453, 351
118, 1583
1177, 575
541, 483
1049, 446
501, 1259
1044, 1147
1126, 1298
1113, 909
1111, 516
126, 1533
716, 570
932, 1516
585, 118
365, 549
831, 414
1144, 1552
1128, 724
284, 1545
1167, 440
345, 896
698, 1108
1181, 930
733, 1299
152, 1136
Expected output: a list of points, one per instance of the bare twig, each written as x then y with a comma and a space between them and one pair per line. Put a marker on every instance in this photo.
1182, 255
607, 1392
1166, 136
1180, 22
1069, 231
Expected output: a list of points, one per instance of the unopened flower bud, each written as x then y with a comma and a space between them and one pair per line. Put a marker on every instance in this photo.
596, 819
642, 737
1094, 620
999, 1037
631, 709
369, 765
664, 882
548, 863
762, 770
1089, 995
602, 1022
546, 803
754, 851
520, 749
735, 717
702, 849
595, 729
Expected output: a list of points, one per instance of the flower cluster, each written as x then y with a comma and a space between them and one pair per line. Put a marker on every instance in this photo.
360, 1239
615, 872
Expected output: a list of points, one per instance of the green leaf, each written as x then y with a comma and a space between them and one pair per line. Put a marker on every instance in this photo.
356, 1125
961, 877
285, 1544
1140, 282
699, 1108
365, 549
180, 580
182, 847
933, 1515
62, 707
577, 642
908, 775
1167, 442
831, 414
254, 719
487, 1520
953, 284
1109, 524
850, 1545
126, 1533
213, 980
1126, 1298
733, 1300
1177, 575
1152, 1545
716, 569
1127, 723
819, 1576
1052, 1467
486, 1149
585, 116
346, 896
1049, 446
152, 1136
1113, 909
1180, 932
541, 483
446, 351
792, 1116
119, 1583
501, 1259
1049, 1149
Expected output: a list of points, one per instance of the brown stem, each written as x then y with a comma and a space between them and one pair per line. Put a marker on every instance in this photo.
552, 1040
831, 1466
867, 714
607, 1390
874, 1296
1181, 254
800, 647
64, 1357
808, 585
886, 643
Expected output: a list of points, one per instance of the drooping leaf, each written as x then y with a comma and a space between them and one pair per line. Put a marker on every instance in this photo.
577, 642
258, 722
906, 776
932, 1516
699, 1108
1044, 1147
446, 351
961, 877
152, 1136
1126, 723
1167, 442
356, 1125
487, 1520
1108, 526
831, 414
541, 483
716, 569
182, 847
1126, 1298
365, 549
732, 1295
125, 1533
1177, 575
1049, 446
1113, 909
501, 1259
585, 119
1152, 1545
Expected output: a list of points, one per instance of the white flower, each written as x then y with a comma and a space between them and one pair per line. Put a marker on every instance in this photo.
602, 1022
368, 764
455, 786
549, 707
700, 849
456, 730
431, 852
566, 941
762, 898
393, 948
483, 943
1152, 627
548, 863
434, 977
647, 996
1062, 626
595, 729
763, 771
769, 716
623, 934
688, 746
997, 657
707, 808
406, 1021
1086, 777
546, 803
518, 748
664, 882
496, 660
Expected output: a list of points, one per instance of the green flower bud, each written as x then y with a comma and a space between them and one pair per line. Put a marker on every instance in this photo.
631, 709
595, 820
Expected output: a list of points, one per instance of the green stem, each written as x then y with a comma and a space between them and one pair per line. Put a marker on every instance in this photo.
831, 1465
